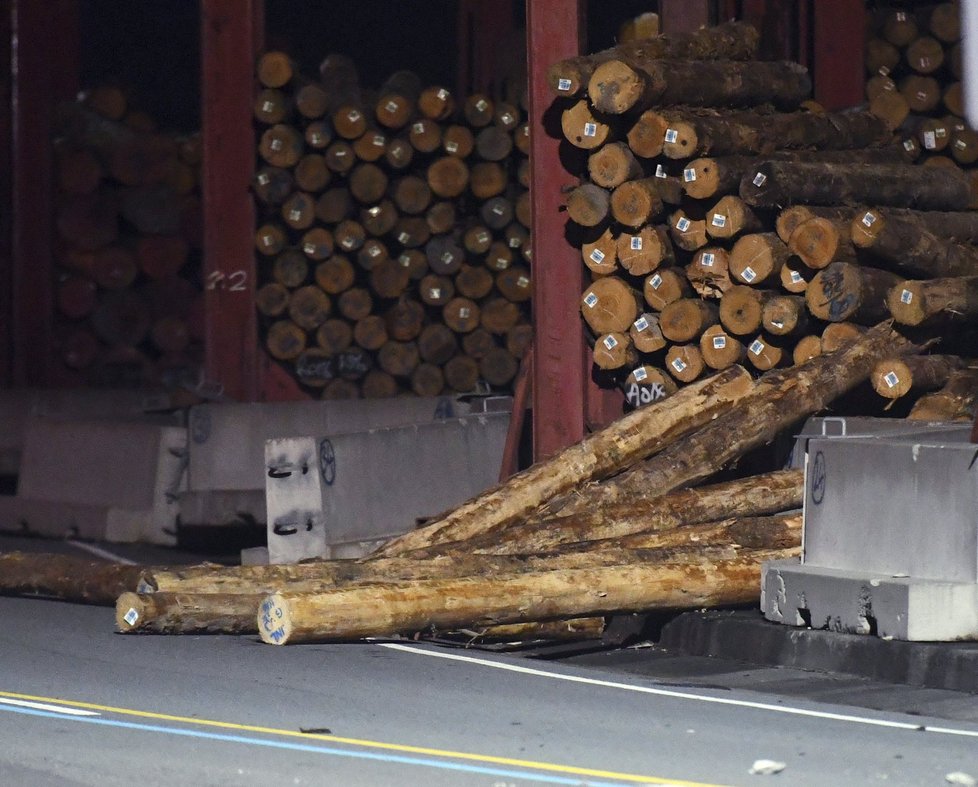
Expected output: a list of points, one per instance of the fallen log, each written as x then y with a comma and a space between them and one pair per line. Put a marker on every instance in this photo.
287, 617
917, 302
65, 578
779, 399
603, 453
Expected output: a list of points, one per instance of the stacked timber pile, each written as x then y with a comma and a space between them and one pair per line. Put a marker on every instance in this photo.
720, 212
127, 214
393, 238
615, 523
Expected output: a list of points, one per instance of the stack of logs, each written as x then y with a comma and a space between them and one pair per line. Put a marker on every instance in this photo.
393, 237
612, 524
725, 218
127, 215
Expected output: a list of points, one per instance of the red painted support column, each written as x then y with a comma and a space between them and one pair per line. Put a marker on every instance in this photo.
839, 30
554, 30
44, 66
230, 34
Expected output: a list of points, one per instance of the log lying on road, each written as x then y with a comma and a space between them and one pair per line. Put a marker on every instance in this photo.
64, 577
603, 453
353, 613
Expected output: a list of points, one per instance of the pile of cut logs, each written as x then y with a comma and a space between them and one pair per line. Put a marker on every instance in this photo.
393, 237
725, 218
127, 213
615, 523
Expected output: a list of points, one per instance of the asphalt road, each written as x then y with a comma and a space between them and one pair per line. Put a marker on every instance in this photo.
80, 705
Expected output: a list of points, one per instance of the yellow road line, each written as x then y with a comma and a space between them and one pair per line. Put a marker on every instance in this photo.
398, 747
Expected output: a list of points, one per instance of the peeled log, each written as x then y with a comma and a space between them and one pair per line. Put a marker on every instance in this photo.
65, 578
779, 399
777, 183
370, 610
599, 455
905, 241
916, 302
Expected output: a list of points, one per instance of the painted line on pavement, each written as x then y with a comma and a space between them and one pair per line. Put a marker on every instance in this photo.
46, 707
435, 758
683, 695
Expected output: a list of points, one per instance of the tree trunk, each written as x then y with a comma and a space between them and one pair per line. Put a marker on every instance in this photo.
635, 202
685, 362
377, 610
844, 291
635, 435
588, 205
612, 165
609, 305
777, 183
65, 578
757, 258
789, 219
729, 217
779, 399
742, 309
665, 286
686, 319
785, 315
954, 402
819, 242
896, 377
917, 302
643, 251
905, 241
709, 272
719, 349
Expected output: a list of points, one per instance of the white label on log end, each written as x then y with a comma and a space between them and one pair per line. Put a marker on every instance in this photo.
891, 379
451, 147
749, 274
908, 145
610, 342
590, 130
660, 171
756, 347
374, 251
590, 300
499, 210
671, 135
796, 277
339, 153
501, 263
131, 616
404, 237
719, 342
678, 365
482, 237
719, 220
353, 116
295, 215
464, 312
447, 257
906, 296
641, 323
869, 219
759, 179
655, 282
924, 63
884, 71
635, 243
563, 85
921, 95
418, 127
930, 142
276, 145
391, 106
708, 259
309, 248
640, 374
434, 293
379, 140
316, 138
960, 144
522, 282
597, 256
515, 242
268, 106
527, 253
506, 118
267, 240
374, 212
481, 105
683, 224
901, 16
442, 94
779, 324
940, 132
347, 243
264, 180
689, 174
405, 260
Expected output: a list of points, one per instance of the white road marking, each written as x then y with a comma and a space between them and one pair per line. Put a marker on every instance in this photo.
45, 706
683, 695
102, 553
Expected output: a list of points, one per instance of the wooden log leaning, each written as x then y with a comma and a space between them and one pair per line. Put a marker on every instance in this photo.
64, 577
639, 433
919, 302
369, 610
777, 183
780, 398
906, 243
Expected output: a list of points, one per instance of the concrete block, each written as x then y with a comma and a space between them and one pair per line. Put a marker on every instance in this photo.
902, 608
372, 485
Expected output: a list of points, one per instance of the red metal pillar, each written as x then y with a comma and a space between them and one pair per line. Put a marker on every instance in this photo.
231, 34
839, 30
554, 31
44, 71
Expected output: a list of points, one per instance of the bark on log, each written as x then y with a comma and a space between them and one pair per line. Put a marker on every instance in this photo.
65, 578
846, 292
779, 399
917, 302
905, 241
358, 612
597, 456
896, 377
954, 402
777, 183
